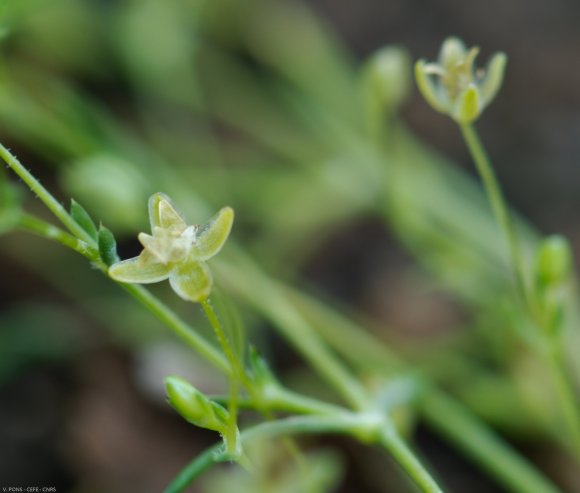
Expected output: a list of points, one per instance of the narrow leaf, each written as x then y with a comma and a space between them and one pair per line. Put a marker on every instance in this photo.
82, 218
107, 246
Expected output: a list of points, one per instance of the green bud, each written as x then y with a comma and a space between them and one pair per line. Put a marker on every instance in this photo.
194, 406
553, 261
82, 218
387, 79
107, 246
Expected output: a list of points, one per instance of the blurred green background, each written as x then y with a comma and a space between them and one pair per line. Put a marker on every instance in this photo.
340, 189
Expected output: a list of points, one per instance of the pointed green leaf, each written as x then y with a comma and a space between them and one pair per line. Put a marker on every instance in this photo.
428, 89
107, 246
468, 107
144, 269
82, 218
494, 77
192, 281
211, 237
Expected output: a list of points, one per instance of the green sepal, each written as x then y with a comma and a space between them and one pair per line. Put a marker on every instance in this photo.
468, 106
194, 406
82, 218
107, 246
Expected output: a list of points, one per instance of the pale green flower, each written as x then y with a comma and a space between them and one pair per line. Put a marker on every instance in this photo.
176, 251
454, 86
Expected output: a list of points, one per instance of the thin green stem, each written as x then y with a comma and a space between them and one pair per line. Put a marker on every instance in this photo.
450, 418
483, 446
565, 391
236, 372
499, 207
268, 298
281, 399
178, 326
44, 195
32, 224
561, 381
46, 230
390, 439
350, 424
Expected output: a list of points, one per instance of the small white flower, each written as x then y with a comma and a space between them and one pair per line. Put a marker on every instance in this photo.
176, 251
454, 86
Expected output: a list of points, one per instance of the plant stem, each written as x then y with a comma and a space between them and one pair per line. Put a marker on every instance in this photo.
499, 207
176, 324
281, 399
350, 424
236, 372
44, 195
482, 445
561, 381
32, 224
404, 456
267, 297
450, 418
565, 391
46, 230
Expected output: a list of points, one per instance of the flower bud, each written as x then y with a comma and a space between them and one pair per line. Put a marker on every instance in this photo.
553, 261
386, 79
194, 406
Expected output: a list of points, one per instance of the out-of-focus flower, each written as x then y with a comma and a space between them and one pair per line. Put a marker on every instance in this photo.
454, 86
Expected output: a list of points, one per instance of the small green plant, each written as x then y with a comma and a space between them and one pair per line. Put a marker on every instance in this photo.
375, 393
463, 95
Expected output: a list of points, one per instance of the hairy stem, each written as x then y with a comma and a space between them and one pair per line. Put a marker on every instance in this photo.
181, 329
236, 372
44, 195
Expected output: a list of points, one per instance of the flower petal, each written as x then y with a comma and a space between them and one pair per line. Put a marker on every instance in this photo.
192, 281
144, 269
162, 213
494, 77
212, 236
165, 247
427, 86
453, 52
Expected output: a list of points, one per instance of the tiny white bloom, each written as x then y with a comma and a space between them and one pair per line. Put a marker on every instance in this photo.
454, 86
176, 251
